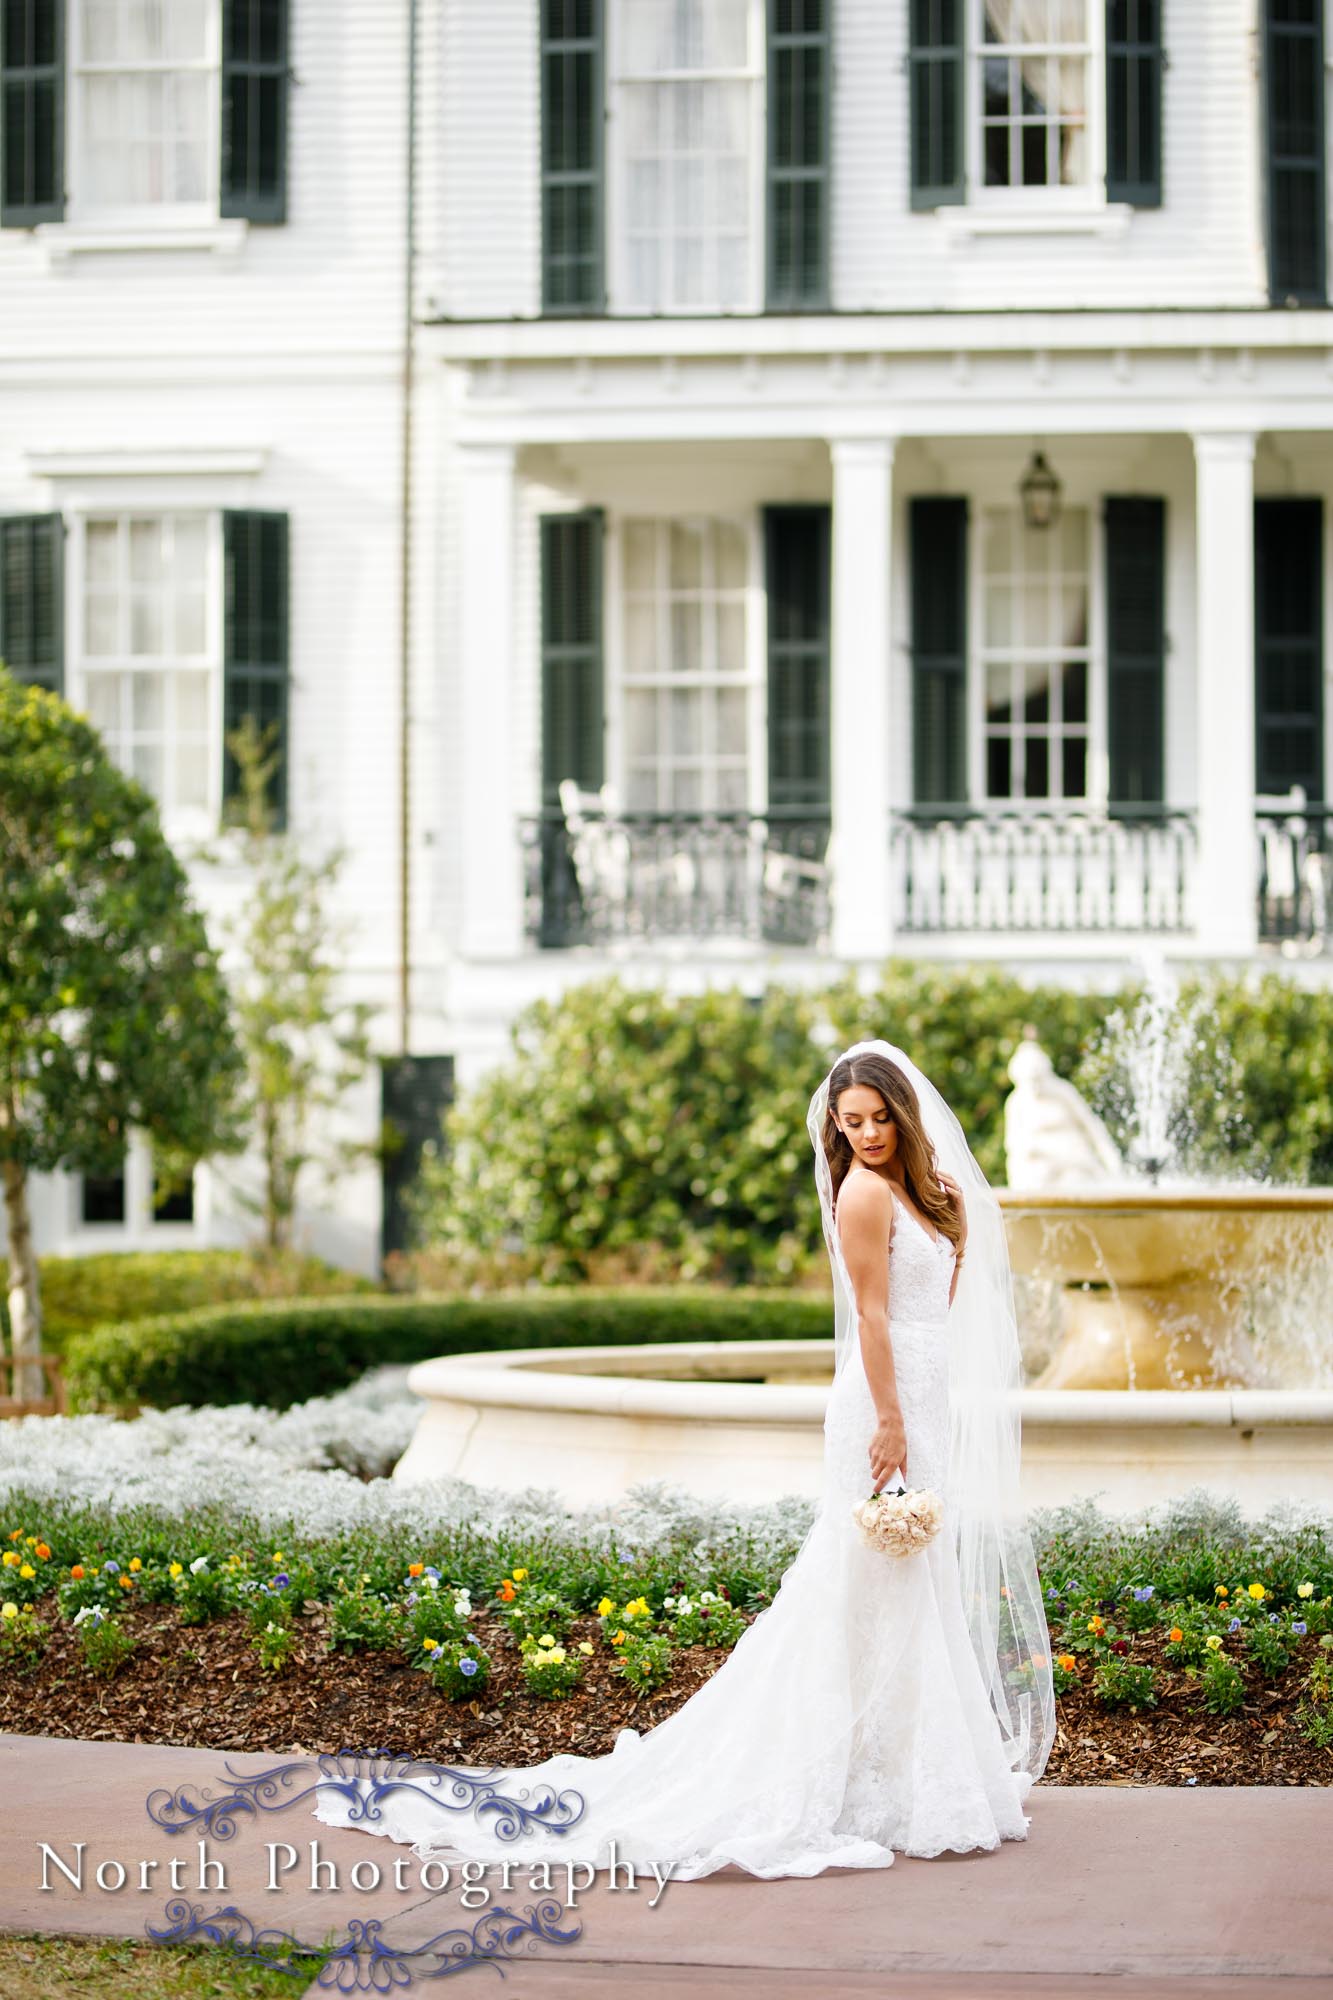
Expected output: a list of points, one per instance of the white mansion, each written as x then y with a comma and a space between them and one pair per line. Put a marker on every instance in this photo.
868, 490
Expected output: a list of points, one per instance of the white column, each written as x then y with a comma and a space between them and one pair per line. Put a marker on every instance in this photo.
492, 899
861, 660
1226, 877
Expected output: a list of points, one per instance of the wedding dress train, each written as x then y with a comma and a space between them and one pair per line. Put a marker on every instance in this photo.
849, 1721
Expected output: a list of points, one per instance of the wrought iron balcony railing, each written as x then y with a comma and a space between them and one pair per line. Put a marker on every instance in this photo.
969, 869
1295, 874
609, 877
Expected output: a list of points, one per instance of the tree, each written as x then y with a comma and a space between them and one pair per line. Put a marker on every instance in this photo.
303, 1047
113, 1009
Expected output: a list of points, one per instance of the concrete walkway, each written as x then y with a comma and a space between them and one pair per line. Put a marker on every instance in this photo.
1220, 1891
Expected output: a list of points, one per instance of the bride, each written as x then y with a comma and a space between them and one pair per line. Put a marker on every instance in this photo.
879, 1704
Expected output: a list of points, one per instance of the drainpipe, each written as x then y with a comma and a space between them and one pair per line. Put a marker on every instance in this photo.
405, 566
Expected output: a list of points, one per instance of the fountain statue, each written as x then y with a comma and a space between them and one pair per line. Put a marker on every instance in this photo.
1170, 1280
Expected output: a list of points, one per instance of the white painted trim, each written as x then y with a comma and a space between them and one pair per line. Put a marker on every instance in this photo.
213, 462
61, 242
958, 222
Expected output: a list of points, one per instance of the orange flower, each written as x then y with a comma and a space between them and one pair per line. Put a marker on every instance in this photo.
1220, 1590
1096, 1623
1067, 1661
416, 1569
1175, 1634
77, 1570
506, 1591
43, 1552
1004, 1590
16, 1534
125, 1582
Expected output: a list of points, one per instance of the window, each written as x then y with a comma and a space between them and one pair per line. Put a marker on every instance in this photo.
1042, 111
1035, 59
687, 114
145, 88
1035, 658
689, 689
151, 111
146, 650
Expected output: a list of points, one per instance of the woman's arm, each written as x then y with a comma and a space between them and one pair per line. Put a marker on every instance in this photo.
865, 1225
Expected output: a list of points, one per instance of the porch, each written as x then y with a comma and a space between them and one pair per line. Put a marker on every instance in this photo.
842, 697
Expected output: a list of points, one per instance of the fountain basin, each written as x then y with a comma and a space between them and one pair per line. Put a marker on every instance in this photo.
1157, 1279
743, 1421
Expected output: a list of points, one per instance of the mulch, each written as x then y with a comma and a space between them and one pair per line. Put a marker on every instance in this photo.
203, 1687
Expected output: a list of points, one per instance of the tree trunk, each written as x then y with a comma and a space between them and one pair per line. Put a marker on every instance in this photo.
25, 1303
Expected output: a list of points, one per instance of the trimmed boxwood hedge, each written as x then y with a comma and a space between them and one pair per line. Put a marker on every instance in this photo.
80, 1293
279, 1352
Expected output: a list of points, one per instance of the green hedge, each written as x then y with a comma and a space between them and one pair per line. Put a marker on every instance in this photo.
280, 1352
79, 1293
636, 1136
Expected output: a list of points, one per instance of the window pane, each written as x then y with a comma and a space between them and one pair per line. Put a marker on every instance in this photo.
146, 635
685, 722
731, 721
997, 767
640, 560
145, 551
102, 701
1037, 695
1037, 775
146, 701
998, 696
641, 638
191, 767
1075, 691
640, 722
686, 638
999, 615
731, 555
687, 560
192, 702
1074, 767
100, 545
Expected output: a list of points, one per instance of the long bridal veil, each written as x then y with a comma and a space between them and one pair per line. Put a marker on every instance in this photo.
996, 1563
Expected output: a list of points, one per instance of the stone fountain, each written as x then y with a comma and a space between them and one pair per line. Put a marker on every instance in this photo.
1168, 1282
1194, 1345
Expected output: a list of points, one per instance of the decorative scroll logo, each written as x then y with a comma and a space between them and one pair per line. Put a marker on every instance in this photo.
365, 1781
361, 1961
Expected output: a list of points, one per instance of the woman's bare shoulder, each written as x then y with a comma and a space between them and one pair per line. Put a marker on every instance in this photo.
864, 1200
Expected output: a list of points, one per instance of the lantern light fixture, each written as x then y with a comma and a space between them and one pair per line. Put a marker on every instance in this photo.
1040, 492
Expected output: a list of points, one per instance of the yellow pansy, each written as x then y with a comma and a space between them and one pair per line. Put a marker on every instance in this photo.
11, 1559
546, 1640
586, 1646
1305, 1590
430, 1644
606, 1607
9, 1610
26, 1571
136, 1564
278, 1557
1257, 1591
556, 1653
1213, 1641
518, 1574
175, 1569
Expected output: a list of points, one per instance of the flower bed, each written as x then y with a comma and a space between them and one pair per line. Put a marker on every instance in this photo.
239, 1578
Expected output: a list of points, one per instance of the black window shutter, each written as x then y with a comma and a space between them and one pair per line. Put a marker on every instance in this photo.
796, 551
256, 643
1136, 650
939, 650
32, 621
1289, 646
1293, 60
798, 153
571, 563
1134, 102
935, 64
254, 109
572, 144
32, 112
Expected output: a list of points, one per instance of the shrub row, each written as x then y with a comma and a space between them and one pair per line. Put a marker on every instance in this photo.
279, 1352
79, 1293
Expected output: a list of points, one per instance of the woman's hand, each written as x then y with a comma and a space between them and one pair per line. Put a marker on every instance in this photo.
888, 1448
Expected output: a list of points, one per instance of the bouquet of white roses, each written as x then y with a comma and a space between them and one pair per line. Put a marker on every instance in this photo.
897, 1521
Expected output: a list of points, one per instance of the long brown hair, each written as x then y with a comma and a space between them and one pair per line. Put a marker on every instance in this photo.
918, 1162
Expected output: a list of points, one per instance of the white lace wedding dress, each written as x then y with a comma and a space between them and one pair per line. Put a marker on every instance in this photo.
849, 1721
